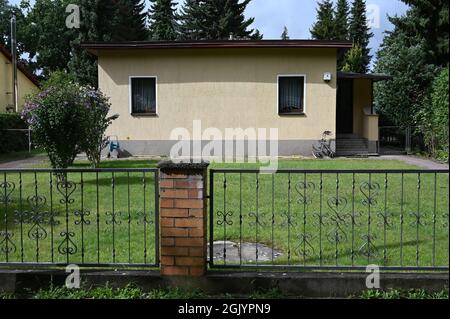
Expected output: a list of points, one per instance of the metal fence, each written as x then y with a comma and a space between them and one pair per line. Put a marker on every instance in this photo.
395, 140
89, 217
329, 219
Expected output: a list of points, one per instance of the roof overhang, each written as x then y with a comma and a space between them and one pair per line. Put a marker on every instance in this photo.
20, 66
96, 48
375, 77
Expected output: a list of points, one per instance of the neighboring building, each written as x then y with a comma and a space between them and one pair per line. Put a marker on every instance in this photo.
26, 81
291, 85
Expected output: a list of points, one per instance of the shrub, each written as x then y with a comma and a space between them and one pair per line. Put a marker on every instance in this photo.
433, 117
11, 141
67, 119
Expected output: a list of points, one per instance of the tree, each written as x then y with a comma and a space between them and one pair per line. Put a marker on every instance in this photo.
66, 119
433, 117
428, 21
359, 32
47, 38
341, 20
408, 54
163, 17
129, 21
323, 28
216, 20
5, 15
354, 60
285, 34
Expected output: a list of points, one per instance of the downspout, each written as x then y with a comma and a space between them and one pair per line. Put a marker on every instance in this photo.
14, 63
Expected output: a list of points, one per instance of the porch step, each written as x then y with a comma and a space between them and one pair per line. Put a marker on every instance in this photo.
349, 145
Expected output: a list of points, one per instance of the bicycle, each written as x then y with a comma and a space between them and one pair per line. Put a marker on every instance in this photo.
324, 147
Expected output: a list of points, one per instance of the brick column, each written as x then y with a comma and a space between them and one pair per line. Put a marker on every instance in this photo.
183, 216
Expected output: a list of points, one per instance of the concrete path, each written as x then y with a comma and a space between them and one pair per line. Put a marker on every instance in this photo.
414, 160
24, 162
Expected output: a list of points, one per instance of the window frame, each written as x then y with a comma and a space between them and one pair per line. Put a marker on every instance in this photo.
304, 94
130, 93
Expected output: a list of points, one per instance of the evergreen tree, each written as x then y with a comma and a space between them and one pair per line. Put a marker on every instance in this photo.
359, 32
285, 34
324, 29
163, 20
193, 20
216, 20
129, 23
341, 21
354, 60
428, 21
257, 35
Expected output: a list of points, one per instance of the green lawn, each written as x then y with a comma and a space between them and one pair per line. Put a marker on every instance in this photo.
302, 241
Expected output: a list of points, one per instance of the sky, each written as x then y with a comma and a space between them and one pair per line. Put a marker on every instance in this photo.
298, 16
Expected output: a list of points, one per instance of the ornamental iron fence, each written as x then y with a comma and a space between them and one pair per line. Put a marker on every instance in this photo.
329, 219
89, 217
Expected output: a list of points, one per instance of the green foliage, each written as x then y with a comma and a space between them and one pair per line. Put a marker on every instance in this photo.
401, 294
359, 32
401, 98
324, 28
413, 54
129, 21
285, 34
12, 141
67, 118
433, 118
354, 60
129, 292
163, 17
341, 20
52, 48
427, 22
216, 20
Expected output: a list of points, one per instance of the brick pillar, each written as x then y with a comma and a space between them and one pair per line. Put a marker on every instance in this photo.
183, 216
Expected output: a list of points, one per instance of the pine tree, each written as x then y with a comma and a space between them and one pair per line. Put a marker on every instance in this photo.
323, 29
129, 23
163, 20
257, 35
359, 32
216, 20
285, 34
427, 20
341, 21
193, 20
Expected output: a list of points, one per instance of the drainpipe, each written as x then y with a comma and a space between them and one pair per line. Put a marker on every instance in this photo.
14, 63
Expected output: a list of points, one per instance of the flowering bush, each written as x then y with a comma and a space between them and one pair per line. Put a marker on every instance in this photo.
67, 119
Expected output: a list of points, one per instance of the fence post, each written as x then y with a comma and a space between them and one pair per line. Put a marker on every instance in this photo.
183, 217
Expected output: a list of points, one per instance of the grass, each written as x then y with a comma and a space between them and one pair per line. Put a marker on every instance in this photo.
303, 241
134, 293
399, 294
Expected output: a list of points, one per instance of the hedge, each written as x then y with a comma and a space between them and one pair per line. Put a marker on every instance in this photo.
11, 141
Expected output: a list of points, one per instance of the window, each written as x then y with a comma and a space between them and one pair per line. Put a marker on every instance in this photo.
143, 95
291, 94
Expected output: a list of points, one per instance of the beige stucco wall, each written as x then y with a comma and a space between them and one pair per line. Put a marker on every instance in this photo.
364, 123
223, 88
25, 86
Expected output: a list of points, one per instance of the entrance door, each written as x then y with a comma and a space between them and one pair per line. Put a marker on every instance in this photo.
344, 116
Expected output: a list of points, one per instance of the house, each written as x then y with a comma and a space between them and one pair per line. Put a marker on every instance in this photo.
290, 85
26, 82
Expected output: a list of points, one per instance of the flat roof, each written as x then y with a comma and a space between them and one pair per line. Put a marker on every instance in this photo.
370, 76
20, 66
95, 47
